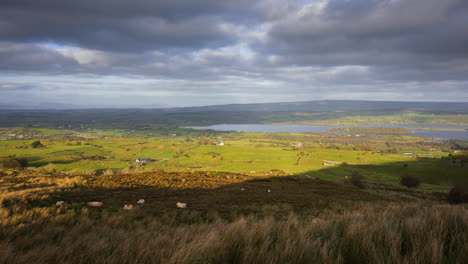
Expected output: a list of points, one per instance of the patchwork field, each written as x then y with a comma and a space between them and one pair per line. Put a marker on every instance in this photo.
322, 155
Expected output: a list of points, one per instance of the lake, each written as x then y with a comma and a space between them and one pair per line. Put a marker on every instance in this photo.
418, 130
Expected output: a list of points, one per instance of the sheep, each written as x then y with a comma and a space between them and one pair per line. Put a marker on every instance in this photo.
268, 190
128, 207
181, 205
141, 201
94, 204
60, 203
242, 189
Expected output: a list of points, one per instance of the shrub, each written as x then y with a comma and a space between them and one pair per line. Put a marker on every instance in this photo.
9, 163
392, 150
126, 171
457, 195
36, 144
333, 146
23, 162
410, 181
109, 172
50, 168
70, 182
356, 180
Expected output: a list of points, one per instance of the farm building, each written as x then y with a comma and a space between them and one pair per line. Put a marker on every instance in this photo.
142, 160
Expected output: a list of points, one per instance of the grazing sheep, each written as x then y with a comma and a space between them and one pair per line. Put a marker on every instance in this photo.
141, 201
128, 207
317, 220
242, 189
94, 204
60, 203
268, 190
181, 205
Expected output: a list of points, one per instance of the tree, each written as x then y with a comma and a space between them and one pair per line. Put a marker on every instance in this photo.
22, 161
36, 144
410, 181
356, 180
457, 195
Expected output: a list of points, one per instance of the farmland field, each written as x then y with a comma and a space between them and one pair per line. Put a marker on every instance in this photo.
248, 153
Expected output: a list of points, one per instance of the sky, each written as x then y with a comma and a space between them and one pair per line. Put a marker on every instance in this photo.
150, 53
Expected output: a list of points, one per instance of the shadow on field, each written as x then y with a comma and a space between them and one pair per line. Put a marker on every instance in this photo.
429, 170
233, 194
250, 196
38, 164
237, 218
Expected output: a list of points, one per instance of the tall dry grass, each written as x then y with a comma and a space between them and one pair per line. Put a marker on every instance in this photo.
414, 233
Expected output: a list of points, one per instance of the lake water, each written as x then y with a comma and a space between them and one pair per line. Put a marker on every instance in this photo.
436, 134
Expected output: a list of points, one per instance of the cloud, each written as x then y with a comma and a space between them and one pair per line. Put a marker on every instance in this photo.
411, 40
130, 26
14, 87
417, 28
236, 50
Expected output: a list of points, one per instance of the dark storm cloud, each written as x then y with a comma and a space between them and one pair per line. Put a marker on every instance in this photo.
361, 29
123, 25
40, 59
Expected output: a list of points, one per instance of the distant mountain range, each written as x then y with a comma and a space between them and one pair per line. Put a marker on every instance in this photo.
305, 106
59, 106
329, 105
54, 115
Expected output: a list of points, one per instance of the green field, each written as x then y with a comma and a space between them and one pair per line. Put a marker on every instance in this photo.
405, 117
322, 155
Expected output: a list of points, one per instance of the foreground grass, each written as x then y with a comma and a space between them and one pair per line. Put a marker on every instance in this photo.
411, 233
231, 218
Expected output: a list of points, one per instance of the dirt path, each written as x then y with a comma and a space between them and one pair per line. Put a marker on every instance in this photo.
331, 162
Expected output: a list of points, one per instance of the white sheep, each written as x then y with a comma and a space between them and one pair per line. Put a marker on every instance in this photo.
242, 189
268, 190
181, 205
317, 220
94, 204
128, 207
141, 201
60, 203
